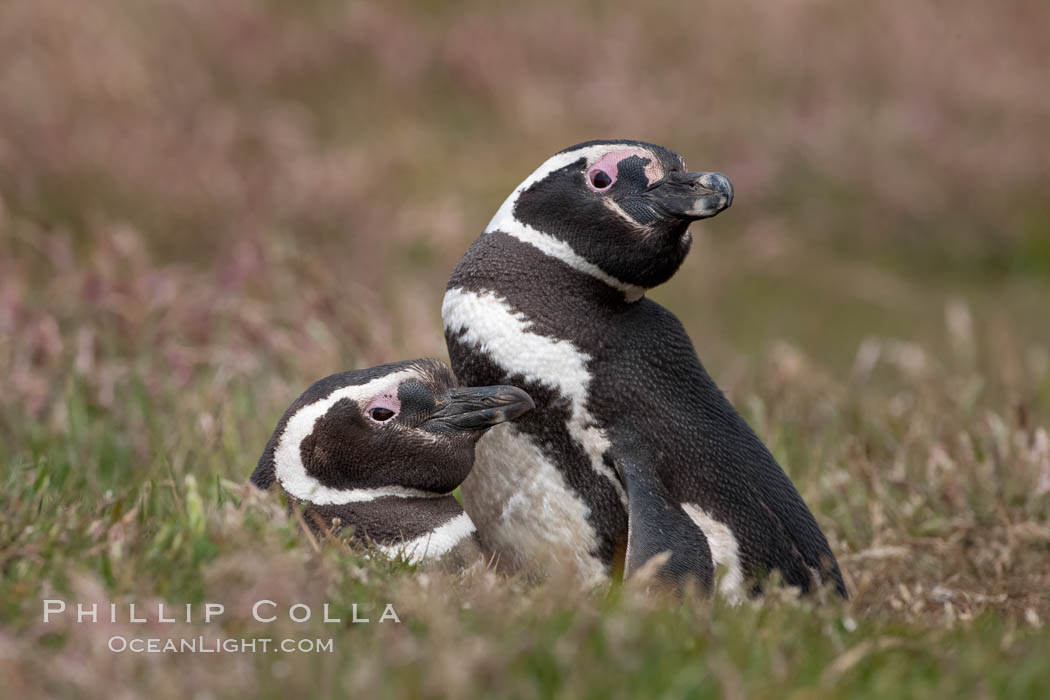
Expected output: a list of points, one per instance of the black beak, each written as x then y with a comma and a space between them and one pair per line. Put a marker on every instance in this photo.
691, 196
476, 409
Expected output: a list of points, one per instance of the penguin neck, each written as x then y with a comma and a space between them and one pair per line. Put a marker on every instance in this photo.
429, 527
414, 516
531, 277
560, 250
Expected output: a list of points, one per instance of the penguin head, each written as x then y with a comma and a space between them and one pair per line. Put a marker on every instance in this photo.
624, 207
401, 429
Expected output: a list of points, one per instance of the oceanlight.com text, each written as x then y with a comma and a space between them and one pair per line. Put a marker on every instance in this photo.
214, 645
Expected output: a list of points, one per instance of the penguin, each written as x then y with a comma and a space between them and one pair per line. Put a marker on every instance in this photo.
632, 451
380, 450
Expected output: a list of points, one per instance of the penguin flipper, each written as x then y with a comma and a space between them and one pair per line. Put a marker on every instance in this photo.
657, 525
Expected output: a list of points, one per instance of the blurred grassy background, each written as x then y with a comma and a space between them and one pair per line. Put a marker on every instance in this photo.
206, 206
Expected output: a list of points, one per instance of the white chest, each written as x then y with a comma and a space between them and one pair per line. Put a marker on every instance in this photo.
516, 494
494, 328
525, 511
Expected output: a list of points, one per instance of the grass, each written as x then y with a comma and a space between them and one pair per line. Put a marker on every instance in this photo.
195, 227
927, 465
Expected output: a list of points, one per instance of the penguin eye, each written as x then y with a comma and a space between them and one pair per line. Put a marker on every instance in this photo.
380, 414
600, 179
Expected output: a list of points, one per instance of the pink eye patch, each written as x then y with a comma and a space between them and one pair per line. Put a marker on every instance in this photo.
383, 407
603, 173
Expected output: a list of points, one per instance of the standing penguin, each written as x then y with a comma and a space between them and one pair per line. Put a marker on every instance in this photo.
632, 449
381, 449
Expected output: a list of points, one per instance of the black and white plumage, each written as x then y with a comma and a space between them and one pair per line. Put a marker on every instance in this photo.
632, 449
381, 450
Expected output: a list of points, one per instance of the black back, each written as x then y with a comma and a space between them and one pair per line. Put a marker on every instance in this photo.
648, 388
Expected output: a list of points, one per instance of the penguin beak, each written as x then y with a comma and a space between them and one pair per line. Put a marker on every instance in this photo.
691, 196
476, 409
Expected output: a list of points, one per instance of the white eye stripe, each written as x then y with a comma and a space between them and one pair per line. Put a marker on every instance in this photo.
288, 463
505, 222
591, 154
